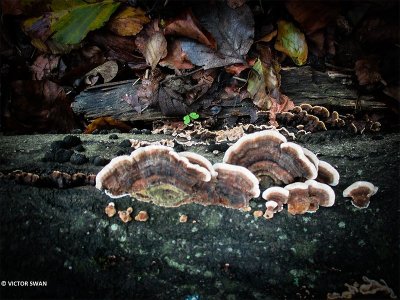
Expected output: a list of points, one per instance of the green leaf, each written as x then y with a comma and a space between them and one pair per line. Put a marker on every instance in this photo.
194, 115
69, 23
291, 41
186, 120
256, 78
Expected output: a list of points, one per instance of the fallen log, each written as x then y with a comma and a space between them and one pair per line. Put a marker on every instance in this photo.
332, 89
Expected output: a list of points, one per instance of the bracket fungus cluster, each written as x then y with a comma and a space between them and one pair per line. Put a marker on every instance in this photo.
293, 176
160, 175
277, 162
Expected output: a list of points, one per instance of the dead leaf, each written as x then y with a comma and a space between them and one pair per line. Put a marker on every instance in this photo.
148, 90
291, 41
188, 26
128, 22
233, 29
156, 49
367, 71
313, 15
106, 123
117, 47
143, 37
263, 82
268, 37
133, 100
176, 59
235, 3
44, 66
284, 104
107, 71
169, 105
38, 106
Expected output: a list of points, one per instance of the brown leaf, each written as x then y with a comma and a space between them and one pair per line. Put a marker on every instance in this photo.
44, 65
176, 58
117, 47
171, 106
38, 106
284, 104
148, 91
313, 15
233, 29
128, 22
143, 36
235, 3
107, 71
106, 123
367, 70
187, 25
156, 49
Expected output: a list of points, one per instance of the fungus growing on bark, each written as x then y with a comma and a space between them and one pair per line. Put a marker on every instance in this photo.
277, 194
110, 209
327, 173
360, 192
308, 196
166, 178
142, 216
153, 173
271, 209
269, 156
125, 215
197, 159
233, 187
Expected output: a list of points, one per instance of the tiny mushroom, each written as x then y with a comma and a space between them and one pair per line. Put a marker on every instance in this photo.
327, 173
270, 157
360, 192
125, 215
271, 209
276, 194
110, 209
142, 216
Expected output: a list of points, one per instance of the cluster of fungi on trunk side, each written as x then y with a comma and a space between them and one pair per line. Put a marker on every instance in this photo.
293, 176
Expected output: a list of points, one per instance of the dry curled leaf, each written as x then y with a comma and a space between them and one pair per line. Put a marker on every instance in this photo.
106, 123
187, 25
176, 58
291, 41
128, 22
107, 71
156, 49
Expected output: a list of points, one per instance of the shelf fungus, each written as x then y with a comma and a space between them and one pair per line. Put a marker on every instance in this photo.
327, 173
308, 196
160, 175
269, 156
360, 192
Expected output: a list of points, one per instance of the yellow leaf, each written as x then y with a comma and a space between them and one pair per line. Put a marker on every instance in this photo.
128, 22
291, 41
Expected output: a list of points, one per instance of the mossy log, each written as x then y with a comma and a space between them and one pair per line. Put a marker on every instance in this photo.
63, 236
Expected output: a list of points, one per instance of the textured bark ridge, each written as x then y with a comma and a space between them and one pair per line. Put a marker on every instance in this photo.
64, 236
